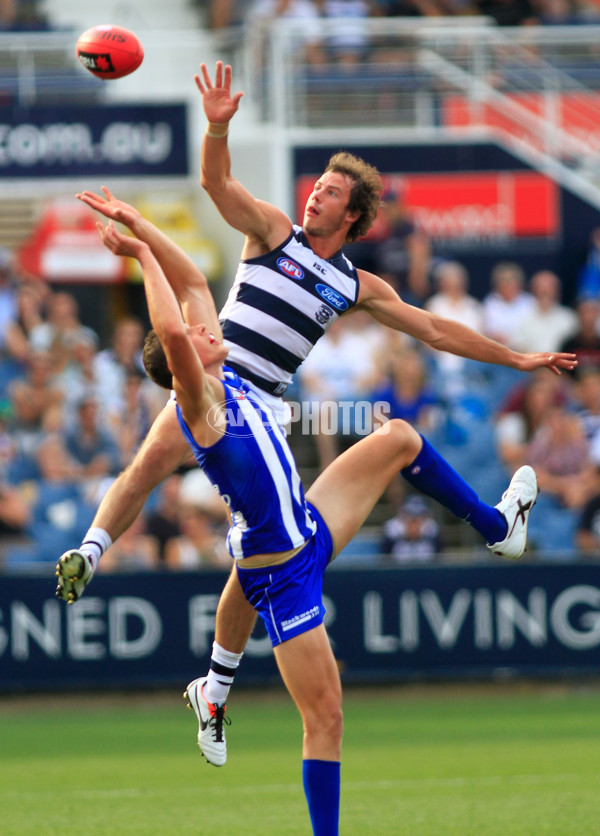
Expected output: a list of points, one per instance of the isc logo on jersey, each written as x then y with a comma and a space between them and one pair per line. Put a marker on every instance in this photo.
332, 296
290, 268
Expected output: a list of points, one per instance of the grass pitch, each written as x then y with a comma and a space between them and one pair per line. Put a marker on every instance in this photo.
434, 761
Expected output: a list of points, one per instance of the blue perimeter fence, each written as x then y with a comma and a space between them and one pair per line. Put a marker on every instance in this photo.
156, 629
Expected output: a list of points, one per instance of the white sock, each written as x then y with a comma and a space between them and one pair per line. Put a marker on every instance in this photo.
223, 665
95, 543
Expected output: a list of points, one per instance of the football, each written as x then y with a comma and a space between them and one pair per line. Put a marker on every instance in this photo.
109, 51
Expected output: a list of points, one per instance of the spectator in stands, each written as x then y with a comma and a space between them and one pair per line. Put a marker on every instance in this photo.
59, 511
200, 545
508, 12
523, 415
92, 447
560, 454
585, 342
124, 355
412, 535
588, 282
416, 8
548, 324
60, 330
135, 419
305, 12
83, 376
350, 43
14, 511
228, 13
36, 402
586, 395
403, 257
8, 293
506, 303
405, 389
135, 551
340, 370
163, 522
588, 528
28, 315
453, 301
557, 12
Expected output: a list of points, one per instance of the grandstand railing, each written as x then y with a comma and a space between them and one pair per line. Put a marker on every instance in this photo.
535, 89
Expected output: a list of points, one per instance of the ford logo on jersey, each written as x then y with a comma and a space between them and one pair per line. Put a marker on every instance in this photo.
290, 268
332, 296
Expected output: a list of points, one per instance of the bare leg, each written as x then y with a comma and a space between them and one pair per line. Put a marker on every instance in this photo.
347, 490
309, 671
163, 450
235, 616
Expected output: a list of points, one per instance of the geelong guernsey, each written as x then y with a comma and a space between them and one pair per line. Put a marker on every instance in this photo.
254, 471
280, 304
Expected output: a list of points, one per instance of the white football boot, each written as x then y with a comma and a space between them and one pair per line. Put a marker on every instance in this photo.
74, 570
516, 503
211, 719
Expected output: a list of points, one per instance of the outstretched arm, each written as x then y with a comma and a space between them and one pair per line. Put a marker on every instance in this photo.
383, 303
187, 280
264, 225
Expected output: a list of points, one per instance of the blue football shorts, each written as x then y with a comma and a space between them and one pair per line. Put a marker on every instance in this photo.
289, 597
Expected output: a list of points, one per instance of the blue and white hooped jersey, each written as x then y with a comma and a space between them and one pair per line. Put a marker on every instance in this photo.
280, 304
253, 469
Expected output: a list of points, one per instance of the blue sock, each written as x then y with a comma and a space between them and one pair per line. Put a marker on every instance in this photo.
321, 781
432, 475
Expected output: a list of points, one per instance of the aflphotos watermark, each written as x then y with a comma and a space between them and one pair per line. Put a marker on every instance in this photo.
355, 418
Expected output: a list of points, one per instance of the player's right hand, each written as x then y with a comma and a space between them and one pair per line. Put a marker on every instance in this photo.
74, 571
111, 207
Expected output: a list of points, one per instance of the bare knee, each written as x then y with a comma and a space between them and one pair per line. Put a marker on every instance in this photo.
325, 721
407, 441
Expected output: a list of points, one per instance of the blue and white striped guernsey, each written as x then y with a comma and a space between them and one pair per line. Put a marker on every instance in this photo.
253, 469
280, 304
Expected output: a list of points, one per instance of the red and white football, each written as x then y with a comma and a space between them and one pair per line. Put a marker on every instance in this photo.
109, 51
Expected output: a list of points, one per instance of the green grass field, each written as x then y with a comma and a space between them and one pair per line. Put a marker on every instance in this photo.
431, 761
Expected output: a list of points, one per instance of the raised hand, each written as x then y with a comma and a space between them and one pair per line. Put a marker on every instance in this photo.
555, 362
111, 207
118, 243
219, 105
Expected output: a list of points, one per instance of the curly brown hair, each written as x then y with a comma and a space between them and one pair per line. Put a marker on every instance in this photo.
155, 361
365, 195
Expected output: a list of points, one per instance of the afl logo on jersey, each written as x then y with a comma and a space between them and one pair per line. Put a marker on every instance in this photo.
332, 296
290, 268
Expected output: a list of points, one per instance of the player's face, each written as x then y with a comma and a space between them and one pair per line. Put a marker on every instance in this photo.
209, 348
326, 210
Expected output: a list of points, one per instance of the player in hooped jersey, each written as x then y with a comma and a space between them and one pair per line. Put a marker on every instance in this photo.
341, 208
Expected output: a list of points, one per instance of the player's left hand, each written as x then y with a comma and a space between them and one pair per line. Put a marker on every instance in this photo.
556, 362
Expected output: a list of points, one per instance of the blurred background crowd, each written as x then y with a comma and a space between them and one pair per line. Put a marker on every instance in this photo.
32, 15
75, 405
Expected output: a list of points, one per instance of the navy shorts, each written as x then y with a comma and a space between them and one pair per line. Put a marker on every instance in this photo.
289, 597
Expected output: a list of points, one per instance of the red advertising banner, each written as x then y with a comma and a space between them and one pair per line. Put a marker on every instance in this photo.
470, 207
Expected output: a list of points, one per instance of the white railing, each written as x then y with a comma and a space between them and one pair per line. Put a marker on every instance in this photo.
535, 89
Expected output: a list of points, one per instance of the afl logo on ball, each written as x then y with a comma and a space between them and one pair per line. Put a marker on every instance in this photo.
290, 268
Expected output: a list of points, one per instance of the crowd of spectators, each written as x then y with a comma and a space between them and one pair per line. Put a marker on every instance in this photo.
486, 420
72, 415
73, 412
350, 42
